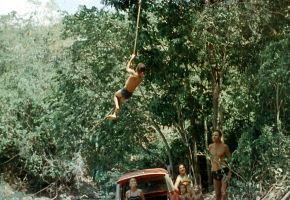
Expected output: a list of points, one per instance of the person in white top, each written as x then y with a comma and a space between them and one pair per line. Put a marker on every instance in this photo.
182, 178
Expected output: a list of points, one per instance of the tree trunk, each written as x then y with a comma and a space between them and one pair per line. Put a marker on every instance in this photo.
157, 128
168, 149
278, 105
215, 98
208, 168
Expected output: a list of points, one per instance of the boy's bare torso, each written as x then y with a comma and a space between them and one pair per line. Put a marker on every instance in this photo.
218, 153
132, 82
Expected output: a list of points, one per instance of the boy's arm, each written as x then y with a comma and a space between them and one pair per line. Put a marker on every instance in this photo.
227, 152
229, 156
128, 68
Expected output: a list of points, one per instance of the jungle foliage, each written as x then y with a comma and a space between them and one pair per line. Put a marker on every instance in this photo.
210, 65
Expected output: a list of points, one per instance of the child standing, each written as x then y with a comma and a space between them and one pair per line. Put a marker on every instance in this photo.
197, 193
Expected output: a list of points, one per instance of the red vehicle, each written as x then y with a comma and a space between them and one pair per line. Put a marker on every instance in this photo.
155, 183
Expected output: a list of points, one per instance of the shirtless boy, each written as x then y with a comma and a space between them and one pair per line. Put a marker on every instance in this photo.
131, 84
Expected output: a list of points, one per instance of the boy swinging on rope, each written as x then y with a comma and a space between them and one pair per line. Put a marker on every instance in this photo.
135, 78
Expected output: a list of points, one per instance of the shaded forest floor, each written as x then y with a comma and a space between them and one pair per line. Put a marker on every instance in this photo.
87, 190
84, 190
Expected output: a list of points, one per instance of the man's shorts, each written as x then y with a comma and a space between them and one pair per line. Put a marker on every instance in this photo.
125, 93
219, 174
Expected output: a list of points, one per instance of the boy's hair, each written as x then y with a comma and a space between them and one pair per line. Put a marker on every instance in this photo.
140, 67
218, 131
220, 134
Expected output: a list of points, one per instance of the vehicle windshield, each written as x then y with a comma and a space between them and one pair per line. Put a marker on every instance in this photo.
152, 184
155, 184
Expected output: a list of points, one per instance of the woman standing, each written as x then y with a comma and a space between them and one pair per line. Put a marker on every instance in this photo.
221, 172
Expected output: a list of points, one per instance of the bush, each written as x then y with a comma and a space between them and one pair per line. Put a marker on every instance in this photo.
260, 161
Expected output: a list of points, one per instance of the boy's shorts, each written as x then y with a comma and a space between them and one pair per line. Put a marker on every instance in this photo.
125, 93
219, 174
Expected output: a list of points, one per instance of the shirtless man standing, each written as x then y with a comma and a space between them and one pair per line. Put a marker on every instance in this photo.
221, 173
131, 84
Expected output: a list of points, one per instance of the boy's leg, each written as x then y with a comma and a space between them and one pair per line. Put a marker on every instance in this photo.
224, 189
118, 99
217, 187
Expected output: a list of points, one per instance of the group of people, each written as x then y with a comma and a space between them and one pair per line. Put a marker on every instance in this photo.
184, 187
185, 190
219, 151
220, 170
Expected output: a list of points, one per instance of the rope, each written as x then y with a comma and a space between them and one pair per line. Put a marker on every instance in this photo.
137, 27
7, 161
97, 123
101, 120
51, 184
